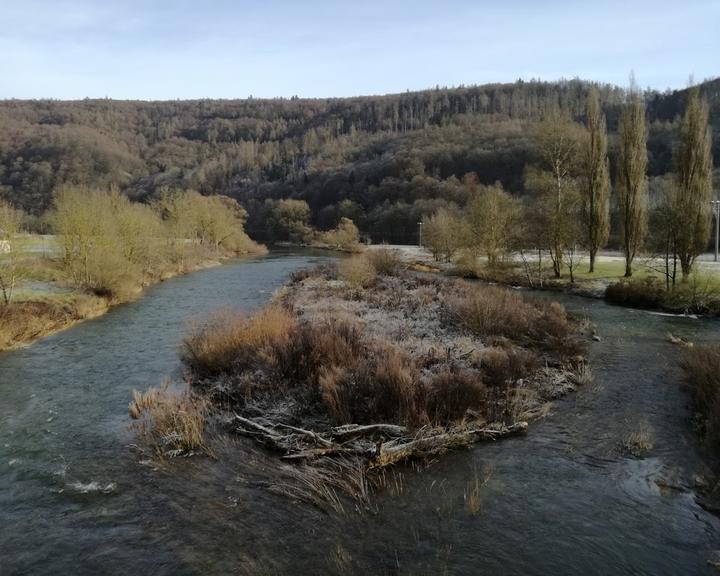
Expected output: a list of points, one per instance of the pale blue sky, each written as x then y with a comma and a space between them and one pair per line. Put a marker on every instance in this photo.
166, 49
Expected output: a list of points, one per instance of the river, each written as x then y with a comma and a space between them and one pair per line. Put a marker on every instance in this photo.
565, 499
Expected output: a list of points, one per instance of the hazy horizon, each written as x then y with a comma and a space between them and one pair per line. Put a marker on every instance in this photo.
76, 49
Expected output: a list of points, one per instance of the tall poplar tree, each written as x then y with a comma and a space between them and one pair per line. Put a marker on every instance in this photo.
693, 186
595, 190
632, 189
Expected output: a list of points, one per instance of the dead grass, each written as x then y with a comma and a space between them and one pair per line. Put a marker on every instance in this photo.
473, 492
584, 375
501, 365
215, 347
171, 422
24, 322
639, 441
450, 395
499, 312
330, 371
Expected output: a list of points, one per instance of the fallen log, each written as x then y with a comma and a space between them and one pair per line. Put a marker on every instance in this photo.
307, 433
380, 444
259, 432
395, 451
349, 431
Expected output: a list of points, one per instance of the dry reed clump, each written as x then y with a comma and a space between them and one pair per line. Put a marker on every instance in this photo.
503, 364
350, 378
357, 271
327, 271
171, 422
640, 441
473, 492
702, 378
22, 322
385, 261
394, 388
215, 347
452, 394
489, 311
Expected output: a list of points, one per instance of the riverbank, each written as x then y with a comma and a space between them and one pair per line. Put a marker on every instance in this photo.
699, 296
47, 303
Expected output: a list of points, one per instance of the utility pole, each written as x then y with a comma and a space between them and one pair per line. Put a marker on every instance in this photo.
420, 233
716, 212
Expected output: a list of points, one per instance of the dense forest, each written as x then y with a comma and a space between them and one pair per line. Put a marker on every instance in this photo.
383, 161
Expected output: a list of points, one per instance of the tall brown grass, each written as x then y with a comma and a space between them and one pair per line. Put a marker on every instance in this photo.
330, 369
22, 322
327, 367
171, 422
499, 312
450, 395
214, 347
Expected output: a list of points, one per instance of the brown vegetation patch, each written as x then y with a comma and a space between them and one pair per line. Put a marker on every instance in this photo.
371, 376
23, 322
172, 422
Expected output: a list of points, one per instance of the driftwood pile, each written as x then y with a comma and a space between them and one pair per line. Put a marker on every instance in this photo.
378, 445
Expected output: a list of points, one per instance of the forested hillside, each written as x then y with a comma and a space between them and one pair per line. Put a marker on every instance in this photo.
384, 161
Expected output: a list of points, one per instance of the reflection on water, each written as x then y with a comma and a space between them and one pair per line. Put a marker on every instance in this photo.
564, 500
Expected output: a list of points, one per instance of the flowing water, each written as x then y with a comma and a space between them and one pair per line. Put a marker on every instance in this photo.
565, 499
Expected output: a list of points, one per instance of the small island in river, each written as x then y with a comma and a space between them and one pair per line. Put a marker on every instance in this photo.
355, 367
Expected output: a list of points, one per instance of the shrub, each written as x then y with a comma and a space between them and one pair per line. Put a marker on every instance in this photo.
215, 347
386, 262
357, 271
345, 237
22, 322
645, 293
171, 422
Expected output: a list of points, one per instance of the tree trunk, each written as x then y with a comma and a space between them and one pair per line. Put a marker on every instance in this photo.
628, 268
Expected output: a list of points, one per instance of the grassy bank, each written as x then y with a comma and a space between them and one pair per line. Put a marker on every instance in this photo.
364, 365
46, 299
646, 289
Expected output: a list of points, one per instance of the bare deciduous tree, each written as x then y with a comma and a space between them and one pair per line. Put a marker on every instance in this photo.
555, 182
10, 262
443, 234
